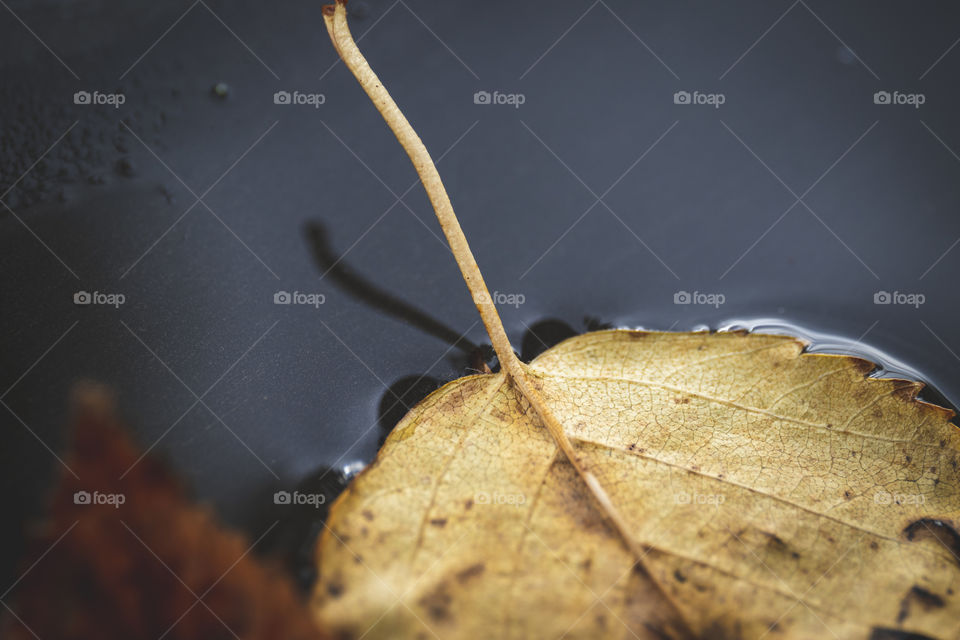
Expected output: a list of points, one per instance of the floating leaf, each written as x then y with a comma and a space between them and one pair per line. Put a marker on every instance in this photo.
775, 490
647, 485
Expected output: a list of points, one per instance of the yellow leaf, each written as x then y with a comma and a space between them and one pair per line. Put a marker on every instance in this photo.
646, 485
779, 493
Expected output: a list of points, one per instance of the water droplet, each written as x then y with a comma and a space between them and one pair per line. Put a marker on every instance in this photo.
351, 469
221, 89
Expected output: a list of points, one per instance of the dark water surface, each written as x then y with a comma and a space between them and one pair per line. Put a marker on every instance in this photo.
598, 201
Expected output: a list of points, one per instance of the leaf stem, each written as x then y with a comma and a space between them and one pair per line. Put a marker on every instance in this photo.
335, 18
410, 141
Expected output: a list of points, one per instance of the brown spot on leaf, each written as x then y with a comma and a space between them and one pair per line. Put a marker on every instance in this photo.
366, 513
468, 504
884, 633
927, 600
335, 589
437, 603
439, 522
678, 575
719, 630
470, 572
774, 541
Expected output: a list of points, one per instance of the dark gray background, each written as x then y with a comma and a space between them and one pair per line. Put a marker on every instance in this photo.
709, 205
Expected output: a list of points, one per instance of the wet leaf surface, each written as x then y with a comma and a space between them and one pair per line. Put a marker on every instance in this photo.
777, 492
